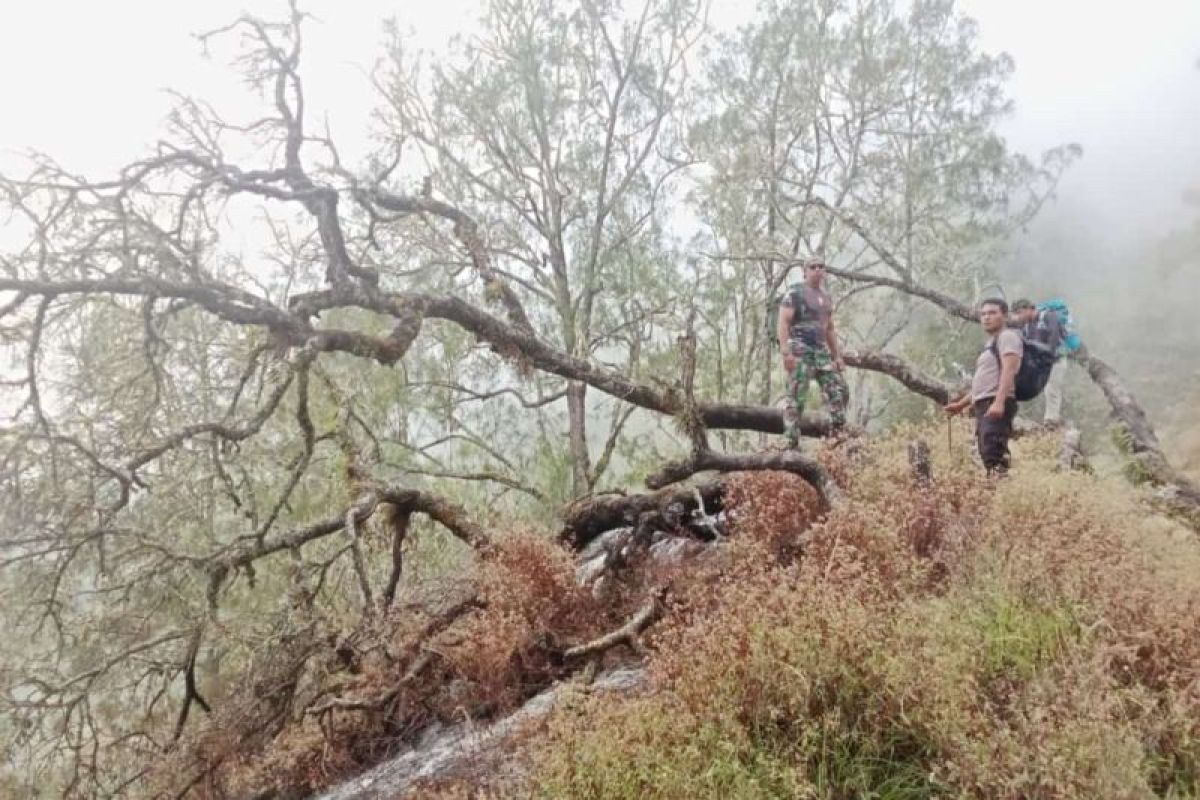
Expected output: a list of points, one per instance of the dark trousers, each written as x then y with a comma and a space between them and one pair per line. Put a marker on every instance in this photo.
992, 434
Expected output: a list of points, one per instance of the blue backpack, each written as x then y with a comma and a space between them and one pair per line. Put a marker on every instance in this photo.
1071, 341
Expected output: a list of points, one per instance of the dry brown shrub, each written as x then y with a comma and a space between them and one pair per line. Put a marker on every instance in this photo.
1032, 637
503, 648
532, 609
771, 510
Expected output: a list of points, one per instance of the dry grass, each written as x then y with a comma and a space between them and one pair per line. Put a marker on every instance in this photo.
1032, 638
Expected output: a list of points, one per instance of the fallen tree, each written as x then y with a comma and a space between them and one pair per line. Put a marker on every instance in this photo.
212, 450
211, 440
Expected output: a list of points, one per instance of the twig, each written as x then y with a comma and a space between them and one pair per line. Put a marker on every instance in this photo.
627, 633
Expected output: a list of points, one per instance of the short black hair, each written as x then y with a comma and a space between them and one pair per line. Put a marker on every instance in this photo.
999, 302
1023, 303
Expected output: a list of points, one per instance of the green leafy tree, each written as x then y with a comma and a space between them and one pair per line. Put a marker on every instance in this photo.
865, 132
560, 129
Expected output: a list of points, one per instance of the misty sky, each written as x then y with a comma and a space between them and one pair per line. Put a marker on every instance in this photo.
83, 81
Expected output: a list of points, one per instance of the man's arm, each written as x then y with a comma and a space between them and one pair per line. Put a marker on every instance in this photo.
1009, 364
782, 330
831, 340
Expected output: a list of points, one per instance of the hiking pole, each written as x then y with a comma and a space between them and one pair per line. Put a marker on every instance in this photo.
950, 438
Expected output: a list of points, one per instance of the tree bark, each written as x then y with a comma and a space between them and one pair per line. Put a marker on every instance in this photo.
1143, 441
781, 460
581, 460
588, 517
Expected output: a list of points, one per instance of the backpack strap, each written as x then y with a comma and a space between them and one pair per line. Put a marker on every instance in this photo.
799, 306
995, 350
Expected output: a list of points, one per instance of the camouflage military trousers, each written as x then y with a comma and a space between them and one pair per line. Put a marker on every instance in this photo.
814, 362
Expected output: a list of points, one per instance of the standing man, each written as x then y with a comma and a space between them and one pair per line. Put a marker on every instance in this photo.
809, 346
993, 389
1048, 328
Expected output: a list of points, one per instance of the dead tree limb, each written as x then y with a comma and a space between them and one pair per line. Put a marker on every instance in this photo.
689, 416
920, 461
950, 305
779, 460
899, 369
191, 693
508, 338
449, 515
1143, 441
588, 517
628, 633
356, 556
397, 521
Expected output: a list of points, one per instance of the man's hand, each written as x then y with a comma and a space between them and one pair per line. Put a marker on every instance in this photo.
956, 407
839, 364
995, 410
789, 356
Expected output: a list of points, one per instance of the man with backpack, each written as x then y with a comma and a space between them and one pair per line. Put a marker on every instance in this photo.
809, 346
993, 393
1050, 324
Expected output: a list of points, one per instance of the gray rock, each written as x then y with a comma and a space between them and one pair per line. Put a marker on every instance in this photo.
609, 541
445, 752
676, 550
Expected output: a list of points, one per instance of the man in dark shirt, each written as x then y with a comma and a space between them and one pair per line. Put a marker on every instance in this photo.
1044, 327
809, 346
1047, 328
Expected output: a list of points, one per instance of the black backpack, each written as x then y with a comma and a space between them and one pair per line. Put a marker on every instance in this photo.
1037, 360
799, 307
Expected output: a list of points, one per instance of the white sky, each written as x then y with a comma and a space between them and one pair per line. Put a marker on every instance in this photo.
83, 80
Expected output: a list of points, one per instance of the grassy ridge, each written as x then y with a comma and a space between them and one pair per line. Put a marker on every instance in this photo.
1036, 638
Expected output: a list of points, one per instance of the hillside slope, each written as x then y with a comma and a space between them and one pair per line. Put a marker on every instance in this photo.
1033, 637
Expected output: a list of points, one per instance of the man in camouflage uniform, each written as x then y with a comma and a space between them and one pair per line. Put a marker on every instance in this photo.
810, 350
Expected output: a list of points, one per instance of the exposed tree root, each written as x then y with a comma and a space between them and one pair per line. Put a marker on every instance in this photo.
588, 517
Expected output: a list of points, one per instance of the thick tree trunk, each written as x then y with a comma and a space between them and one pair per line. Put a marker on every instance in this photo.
1143, 442
581, 462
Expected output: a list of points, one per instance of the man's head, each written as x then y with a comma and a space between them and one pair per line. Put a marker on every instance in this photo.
1024, 311
993, 314
814, 271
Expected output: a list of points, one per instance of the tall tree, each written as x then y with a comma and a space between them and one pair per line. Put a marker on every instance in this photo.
560, 128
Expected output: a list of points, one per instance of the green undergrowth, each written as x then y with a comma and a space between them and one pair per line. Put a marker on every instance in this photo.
1038, 637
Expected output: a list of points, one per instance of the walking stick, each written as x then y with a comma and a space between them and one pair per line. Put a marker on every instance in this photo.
950, 438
